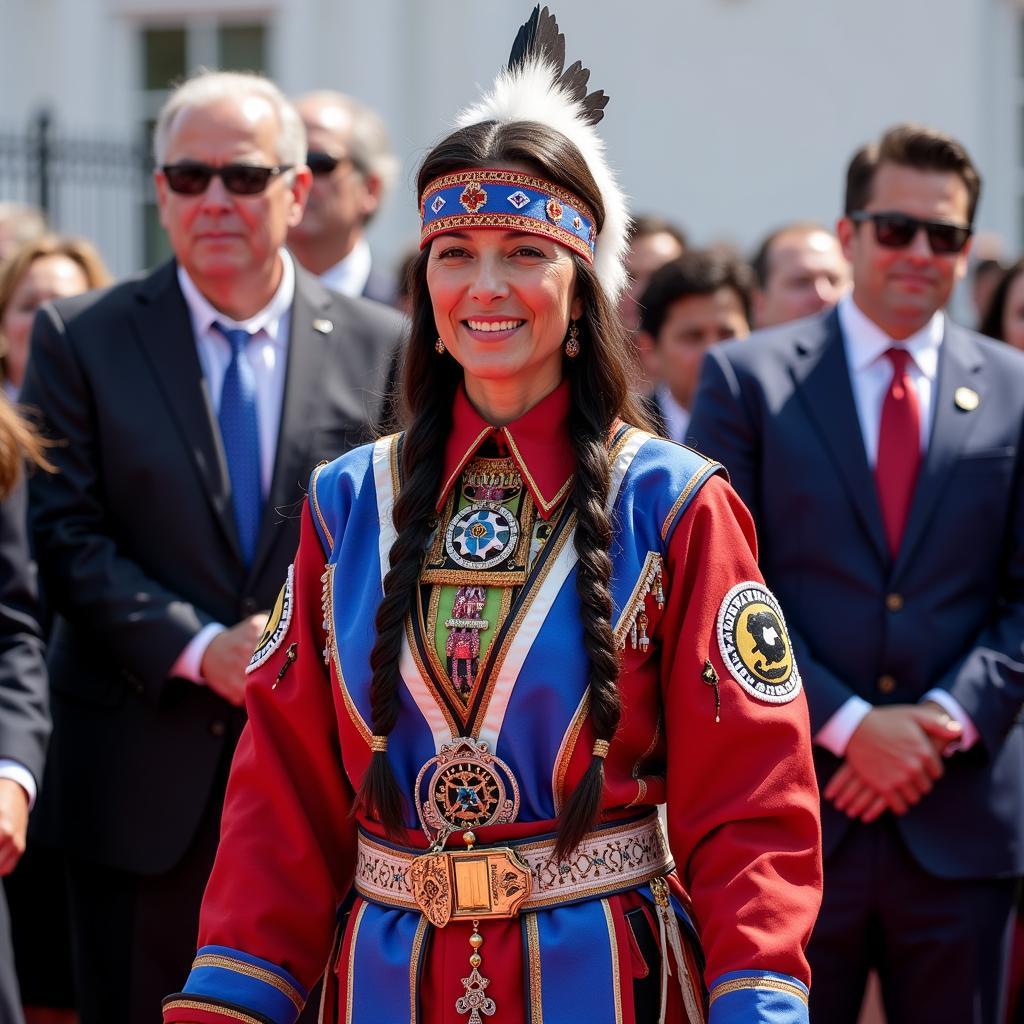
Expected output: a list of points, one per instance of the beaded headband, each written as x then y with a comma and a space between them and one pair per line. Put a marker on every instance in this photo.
493, 198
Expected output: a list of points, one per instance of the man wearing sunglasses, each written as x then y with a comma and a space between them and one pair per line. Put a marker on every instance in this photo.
190, 406
878, 446
353, 170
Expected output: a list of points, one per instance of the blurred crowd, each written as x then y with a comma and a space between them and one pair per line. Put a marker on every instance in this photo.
300, 248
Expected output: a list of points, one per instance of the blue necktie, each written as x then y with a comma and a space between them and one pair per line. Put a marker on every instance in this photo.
240, 433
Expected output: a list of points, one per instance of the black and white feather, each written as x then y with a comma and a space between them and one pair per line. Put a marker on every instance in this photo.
536, 86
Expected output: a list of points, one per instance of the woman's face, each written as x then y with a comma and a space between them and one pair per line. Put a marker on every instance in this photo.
1013, 313
502, 304
49, 277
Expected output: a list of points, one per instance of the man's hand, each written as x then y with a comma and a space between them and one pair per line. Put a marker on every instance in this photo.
941, 742
894, 752
13, 824
855, 798
224, 661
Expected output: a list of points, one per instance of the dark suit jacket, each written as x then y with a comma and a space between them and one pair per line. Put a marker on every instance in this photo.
778, 411
138, 548
380, 286
24, 718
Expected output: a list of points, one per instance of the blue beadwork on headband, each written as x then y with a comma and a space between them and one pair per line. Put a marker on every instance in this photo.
494, 198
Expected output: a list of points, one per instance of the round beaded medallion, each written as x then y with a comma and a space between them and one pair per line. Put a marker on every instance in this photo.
482, 536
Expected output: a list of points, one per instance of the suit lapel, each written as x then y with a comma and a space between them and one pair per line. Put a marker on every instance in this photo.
823, 384
164, 331
960, 363
309, 336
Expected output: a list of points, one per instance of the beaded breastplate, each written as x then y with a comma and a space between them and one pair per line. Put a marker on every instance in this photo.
488, 538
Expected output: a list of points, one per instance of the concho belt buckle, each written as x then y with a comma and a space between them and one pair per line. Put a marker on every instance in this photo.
468, 787
474, 884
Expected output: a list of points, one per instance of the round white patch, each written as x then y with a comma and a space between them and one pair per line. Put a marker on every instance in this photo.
754, 643
277, 625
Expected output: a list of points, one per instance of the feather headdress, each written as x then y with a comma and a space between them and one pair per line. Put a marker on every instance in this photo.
536, 86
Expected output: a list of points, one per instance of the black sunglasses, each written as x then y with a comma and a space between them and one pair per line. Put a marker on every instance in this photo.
193, 179
898, 230
322, 163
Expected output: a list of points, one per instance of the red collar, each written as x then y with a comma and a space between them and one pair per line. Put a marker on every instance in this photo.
538, 442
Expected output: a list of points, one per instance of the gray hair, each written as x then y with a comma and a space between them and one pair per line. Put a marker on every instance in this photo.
207, 87
369, 147
25, 223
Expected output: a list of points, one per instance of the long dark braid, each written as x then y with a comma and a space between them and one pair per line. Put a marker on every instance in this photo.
600, 393
428, 385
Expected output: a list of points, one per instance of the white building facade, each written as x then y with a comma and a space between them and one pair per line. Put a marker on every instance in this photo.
729, 116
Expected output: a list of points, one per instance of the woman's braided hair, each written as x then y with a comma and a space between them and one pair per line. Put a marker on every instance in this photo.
599, 383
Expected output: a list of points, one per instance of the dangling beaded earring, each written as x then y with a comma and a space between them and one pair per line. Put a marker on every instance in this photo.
572, 342
439, 347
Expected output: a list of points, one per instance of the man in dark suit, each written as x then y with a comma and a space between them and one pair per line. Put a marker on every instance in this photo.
353, 171
191, 406
879, 448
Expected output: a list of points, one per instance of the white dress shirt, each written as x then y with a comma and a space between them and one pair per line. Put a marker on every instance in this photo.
17, 772
865, 344
349, 275
267, 355
677, 417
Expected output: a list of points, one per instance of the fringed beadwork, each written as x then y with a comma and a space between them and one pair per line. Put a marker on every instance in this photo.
634, 620
325, 602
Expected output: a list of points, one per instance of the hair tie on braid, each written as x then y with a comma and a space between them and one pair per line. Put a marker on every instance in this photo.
379, 744
600, 748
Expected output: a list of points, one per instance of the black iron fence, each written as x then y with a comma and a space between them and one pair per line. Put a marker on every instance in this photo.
96, 188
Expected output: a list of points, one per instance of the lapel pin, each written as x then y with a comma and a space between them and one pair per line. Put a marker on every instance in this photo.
325, 327
966, 399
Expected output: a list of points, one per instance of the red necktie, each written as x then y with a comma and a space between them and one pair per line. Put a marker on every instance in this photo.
899, 449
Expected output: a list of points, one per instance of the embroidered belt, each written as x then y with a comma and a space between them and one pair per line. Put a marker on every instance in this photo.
519, 876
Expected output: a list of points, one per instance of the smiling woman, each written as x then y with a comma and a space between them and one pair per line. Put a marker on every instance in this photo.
469, 786
502, 302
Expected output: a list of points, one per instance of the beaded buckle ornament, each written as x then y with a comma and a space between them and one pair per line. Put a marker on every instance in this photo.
469, 787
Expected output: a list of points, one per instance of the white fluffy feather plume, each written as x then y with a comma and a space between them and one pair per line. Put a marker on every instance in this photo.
531, 92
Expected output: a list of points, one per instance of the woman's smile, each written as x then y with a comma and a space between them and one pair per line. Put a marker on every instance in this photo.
490, 328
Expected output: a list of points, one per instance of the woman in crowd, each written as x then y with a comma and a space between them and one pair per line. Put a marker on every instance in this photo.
510, 633
50, 267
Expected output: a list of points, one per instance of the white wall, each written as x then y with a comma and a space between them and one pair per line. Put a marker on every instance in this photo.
729, 115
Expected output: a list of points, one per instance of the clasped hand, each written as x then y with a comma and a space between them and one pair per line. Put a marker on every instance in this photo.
892, 760
13, 824
226, 657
